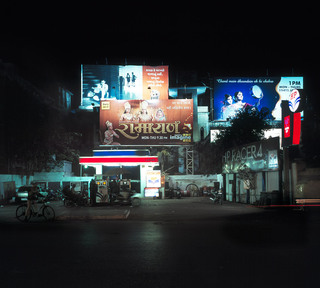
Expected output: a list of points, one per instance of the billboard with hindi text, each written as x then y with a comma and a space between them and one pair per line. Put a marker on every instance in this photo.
129, 82
146, 122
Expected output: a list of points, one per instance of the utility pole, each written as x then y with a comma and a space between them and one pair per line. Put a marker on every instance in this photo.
287, 199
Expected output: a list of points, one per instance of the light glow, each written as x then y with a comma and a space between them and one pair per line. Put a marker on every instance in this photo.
119, 160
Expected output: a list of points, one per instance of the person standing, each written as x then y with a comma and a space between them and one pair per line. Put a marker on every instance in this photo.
133, 80
32, 197
93, 192
128, 79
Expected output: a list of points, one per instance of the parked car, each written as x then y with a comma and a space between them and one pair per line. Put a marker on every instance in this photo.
22, 193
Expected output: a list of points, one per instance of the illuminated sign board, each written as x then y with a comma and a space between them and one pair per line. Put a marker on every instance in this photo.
101, 82
151, 192
213, 135
94, 160
258, 156
235, 94
142, 122
154, 179
134, 152
291, 118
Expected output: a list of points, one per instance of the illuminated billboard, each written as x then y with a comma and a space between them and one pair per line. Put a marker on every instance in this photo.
142, 122
258, 156
154, 179
291, 118
235, 94
130, 82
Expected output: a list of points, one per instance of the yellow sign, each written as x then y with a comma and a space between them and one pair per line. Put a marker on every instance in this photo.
105, 105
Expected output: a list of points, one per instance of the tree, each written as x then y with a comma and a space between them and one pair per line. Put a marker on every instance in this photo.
162, 156
248, 126
209, 158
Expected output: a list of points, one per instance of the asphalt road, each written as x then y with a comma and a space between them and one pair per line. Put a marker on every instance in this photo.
166, 243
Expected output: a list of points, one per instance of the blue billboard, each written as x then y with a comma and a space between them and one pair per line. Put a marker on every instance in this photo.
234, 94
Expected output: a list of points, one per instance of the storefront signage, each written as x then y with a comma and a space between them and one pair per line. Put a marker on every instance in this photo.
257, 156
154, 179
118, 160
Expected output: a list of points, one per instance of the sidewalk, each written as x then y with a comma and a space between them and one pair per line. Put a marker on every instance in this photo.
8, 212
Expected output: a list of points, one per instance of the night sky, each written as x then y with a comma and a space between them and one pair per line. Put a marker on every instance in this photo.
232, 39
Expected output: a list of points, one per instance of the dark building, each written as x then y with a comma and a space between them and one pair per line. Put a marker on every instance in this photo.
29, 117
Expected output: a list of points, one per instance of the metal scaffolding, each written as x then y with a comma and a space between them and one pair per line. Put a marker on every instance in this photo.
189, 161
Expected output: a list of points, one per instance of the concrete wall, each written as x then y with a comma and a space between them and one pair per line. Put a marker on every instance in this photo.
306, 183
18, 179
9, 183
200, 180
228, 188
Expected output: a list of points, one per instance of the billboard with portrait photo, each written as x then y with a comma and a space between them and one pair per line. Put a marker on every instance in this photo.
130, 82
233, 94
146, 122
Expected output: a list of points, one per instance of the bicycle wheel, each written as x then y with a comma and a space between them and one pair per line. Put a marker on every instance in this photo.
21, 213
48, 213
193, 189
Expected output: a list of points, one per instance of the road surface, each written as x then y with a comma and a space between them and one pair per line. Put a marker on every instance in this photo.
166, 243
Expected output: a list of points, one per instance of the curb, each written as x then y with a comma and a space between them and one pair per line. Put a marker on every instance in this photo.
123, 216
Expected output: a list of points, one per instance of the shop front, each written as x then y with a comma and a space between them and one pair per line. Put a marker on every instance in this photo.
252, 173
122, 164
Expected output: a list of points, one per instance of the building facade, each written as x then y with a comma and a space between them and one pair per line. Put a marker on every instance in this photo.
252, 172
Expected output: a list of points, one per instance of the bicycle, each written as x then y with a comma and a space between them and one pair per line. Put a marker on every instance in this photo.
193, 190
45, 211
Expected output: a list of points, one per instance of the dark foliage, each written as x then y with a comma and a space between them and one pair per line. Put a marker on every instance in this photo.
248, 126
35, 137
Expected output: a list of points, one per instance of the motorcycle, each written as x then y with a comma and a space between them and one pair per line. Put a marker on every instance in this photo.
174, 192
216, 196
54, 195
75, 200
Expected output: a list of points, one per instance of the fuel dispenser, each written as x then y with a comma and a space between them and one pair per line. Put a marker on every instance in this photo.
102, 193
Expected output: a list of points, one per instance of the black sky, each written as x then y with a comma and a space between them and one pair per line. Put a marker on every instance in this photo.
223, 39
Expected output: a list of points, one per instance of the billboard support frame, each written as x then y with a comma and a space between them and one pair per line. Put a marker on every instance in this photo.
189, 161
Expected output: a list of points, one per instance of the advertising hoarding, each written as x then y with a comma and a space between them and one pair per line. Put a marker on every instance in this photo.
154, 179
130, 82
258, 156
233, 94
142, 122
291, 118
